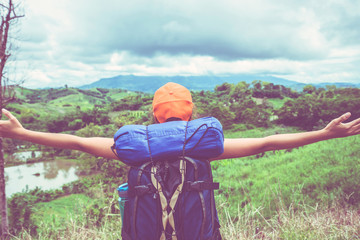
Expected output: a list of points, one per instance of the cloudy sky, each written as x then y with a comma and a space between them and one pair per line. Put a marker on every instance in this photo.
77, 42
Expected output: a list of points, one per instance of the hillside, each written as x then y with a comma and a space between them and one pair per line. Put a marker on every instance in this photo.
239, 103
65, 99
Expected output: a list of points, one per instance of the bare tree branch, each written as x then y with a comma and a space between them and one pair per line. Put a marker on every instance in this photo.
6, 95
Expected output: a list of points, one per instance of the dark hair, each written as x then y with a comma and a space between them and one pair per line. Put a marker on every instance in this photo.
173, 119
153, 119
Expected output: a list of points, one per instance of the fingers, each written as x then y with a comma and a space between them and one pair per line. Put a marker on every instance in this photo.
344, 117
340, 119
354, 122
7, 114
357, 129
354, 126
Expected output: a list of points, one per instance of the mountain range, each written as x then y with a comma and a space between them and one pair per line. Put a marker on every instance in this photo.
195, 83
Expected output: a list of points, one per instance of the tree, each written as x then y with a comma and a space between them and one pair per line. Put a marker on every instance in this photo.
223, 113
8, 17
257, 89
309, 89
239, 91
302, 112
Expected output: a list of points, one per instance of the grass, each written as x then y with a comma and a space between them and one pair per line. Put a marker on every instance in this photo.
73, 217
259, 132
55, 212
315, 173
335, 222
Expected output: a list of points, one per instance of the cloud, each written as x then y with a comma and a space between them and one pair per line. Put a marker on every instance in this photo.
225, 29
41, 77
81, 41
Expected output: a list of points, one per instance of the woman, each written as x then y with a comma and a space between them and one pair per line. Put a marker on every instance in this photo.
173, 102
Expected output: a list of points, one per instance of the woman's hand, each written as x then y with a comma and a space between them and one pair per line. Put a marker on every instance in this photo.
336, 128
10, 128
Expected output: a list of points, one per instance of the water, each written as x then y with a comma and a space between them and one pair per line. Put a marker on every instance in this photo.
45, 175
26, 155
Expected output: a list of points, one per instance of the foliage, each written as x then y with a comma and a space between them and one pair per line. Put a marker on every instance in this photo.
269, 90
249, 113
233, 104
311, 110
309, 89
130, 117
20, 209
303, 112
132, 103
255, 105
77, 119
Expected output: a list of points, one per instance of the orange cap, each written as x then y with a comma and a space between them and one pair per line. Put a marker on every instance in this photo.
172, 100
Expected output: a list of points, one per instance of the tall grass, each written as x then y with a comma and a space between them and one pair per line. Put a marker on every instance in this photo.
73, 217
338, 221
318, 173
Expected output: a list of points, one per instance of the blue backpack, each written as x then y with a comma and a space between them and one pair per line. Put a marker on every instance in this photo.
170, 186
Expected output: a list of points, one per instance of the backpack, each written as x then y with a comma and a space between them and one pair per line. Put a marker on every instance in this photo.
170, 186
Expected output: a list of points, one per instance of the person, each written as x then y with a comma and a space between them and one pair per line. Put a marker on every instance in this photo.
171, 102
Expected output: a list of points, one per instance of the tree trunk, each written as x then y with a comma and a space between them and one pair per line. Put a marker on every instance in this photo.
3, 202
7, 16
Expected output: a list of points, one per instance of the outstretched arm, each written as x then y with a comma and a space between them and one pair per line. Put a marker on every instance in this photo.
241, 147
97, 146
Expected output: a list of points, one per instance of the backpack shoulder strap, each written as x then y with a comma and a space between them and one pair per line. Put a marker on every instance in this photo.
168, 216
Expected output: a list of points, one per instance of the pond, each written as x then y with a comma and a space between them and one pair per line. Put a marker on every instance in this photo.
45, 175
23, 156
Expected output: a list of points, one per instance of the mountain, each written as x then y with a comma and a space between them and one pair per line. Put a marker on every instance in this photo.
195, 83
338, 85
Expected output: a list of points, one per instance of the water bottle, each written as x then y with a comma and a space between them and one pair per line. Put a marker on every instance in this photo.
123, 197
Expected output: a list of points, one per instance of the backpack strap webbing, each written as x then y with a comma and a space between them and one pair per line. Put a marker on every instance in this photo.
168, 216
200, 185
140, 190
